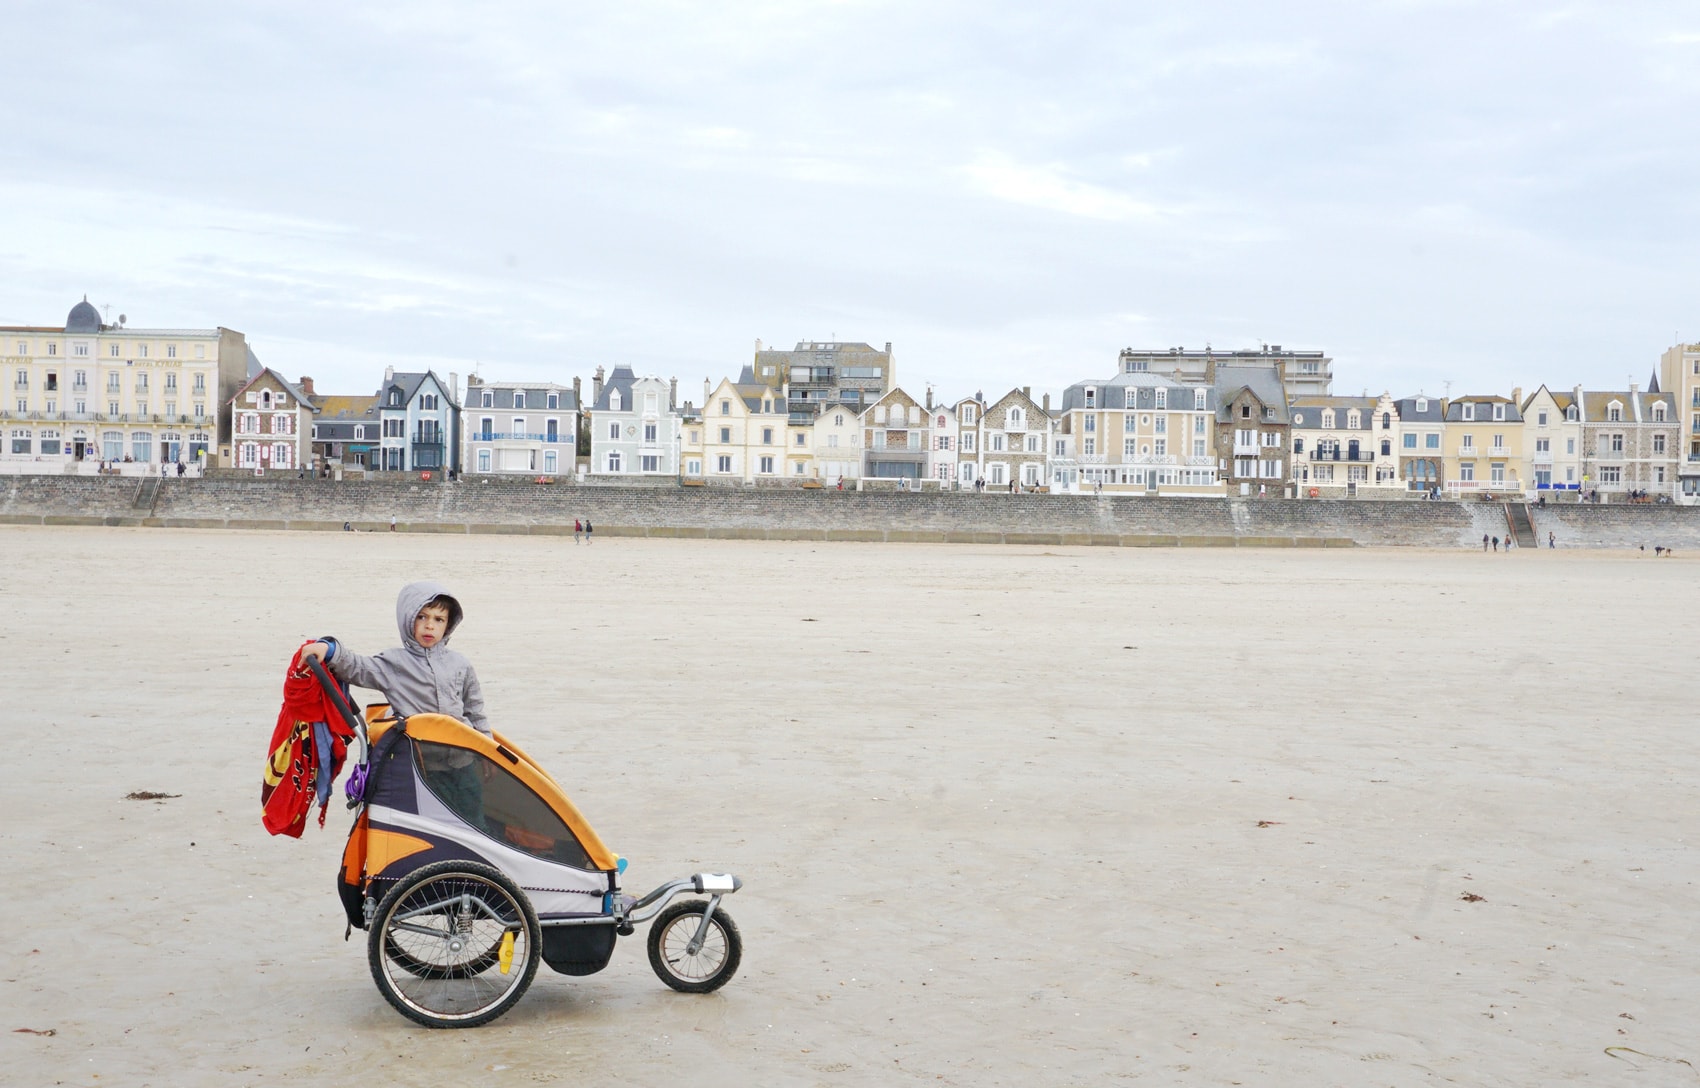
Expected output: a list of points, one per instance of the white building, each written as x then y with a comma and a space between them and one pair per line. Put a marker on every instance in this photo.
518, 428
634, 425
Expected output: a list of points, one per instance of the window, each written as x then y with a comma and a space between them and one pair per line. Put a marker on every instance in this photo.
484, 458
616, 461
1328, 419
1354, 421
649, 431
552, 402
997, 443
428, 402
1611, 474
1467, 472
1162, 424
725, 407
487, 400
112, 350
1245, 411
1570, 414
53, 349
1089, 446
1570, 446
967, 443
1658, 413
1422, 404
723, 463
693, 467
1469, 442
614, 431
1092, 423
1499, 442
725, 436
1496, 472
1162, 396
1658, 443
1499, 411
1541, 419
1467, 412
1543, 445
767, 436
766, 464
1431, 440
200, 383
1387, 421
1015, 419
519, 398
141, 446
650, 462
1160, 447
1198, 400
614, 400
1614, 414
1298, 445
1617, 443
1410, 442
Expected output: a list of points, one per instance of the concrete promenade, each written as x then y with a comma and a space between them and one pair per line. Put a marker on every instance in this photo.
526, 508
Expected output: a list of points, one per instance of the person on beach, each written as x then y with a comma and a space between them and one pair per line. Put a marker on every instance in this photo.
588, 529
578, 531
1496, 544
1484, 542
423, 676
392, 523
1552, 542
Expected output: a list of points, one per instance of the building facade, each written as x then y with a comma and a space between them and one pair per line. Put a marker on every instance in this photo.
89, 392
518, 428
1630, 444
634, 428
1253, 429
1300, 373
1334, 444
1552, 437
420, 421
1136, 432
815, 374
1484, 445
1679, 378
346, 431
272, 426
896, 439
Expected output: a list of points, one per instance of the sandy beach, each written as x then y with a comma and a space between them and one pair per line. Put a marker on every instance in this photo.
1005, 815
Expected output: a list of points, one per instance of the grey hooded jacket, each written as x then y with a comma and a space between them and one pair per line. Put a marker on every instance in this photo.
417, 680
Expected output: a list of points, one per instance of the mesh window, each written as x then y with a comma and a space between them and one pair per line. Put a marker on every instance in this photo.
489, 797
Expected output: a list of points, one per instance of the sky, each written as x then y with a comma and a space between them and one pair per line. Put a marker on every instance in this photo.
1460, 197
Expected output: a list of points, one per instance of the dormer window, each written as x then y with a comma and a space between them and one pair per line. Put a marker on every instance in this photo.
519, 398
1570, 414
1658, 413
1499, 411
1198, 400
1614, 414
1422, 404
1468, 412
1162, 398
553, 401
488, 400
1354, 420
1091, 397
1387, 421
395, 398
1245, 411
614, 402
1328, 419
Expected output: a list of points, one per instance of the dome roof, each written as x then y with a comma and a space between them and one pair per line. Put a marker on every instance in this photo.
83, 318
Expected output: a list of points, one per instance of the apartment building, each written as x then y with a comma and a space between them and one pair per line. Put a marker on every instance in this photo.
741, 436
1679, 377
818, 374
1301, 373
1253, 428
419, 417
1483, 445
519, 428
1630, 443
89, 391
1552, 436
1136, 432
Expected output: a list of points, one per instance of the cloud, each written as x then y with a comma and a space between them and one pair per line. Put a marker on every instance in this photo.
1049, 187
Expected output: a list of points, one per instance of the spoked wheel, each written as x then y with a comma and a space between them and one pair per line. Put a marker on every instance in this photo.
432, 939
708, 968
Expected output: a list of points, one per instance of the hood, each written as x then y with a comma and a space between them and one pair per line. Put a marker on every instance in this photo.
415, 596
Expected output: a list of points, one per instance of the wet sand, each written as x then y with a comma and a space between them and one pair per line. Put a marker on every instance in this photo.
1005, 815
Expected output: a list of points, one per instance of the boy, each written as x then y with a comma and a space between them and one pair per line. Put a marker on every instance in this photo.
423, 676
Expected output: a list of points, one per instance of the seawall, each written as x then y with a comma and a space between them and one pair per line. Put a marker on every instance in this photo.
490, 506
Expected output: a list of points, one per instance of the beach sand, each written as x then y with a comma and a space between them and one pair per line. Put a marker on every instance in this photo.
1005, 815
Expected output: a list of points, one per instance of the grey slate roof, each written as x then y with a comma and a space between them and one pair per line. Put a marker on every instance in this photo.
1264, 384
502, 398
83, 317
1112, 392
1483, 407
1433, 410
1307, 412
621, 379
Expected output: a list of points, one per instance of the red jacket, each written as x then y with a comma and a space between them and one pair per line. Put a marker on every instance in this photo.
293, 762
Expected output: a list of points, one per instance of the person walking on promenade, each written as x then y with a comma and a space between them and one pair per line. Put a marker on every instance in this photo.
578, 531
589, 529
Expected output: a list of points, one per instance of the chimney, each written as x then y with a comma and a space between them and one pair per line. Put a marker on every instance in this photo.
929, 396
1047, 404
389, 374
578, 392
454, 387
306, 385
673, 388
596, 385
1517, 395
705, 392
1027, 391
1634, 388
888, 347
758, 345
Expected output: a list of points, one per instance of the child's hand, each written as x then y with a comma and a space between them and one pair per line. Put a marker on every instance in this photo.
309, 653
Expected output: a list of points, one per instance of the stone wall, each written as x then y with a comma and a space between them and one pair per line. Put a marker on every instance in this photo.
479, 505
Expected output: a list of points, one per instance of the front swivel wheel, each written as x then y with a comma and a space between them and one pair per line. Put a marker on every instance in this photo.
715, 957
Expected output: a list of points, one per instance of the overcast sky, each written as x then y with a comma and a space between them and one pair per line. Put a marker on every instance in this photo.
1491, 194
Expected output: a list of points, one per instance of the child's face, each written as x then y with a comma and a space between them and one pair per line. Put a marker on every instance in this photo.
430, 625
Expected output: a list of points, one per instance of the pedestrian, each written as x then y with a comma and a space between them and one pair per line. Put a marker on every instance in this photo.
588, 529
1012, 487
180, 470
578, 531
1496, 544
1484, 542
392, 523
1551, 541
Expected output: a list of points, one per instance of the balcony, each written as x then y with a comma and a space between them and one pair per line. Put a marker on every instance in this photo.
1468, 451
1245, 451
1362, 457
513, 436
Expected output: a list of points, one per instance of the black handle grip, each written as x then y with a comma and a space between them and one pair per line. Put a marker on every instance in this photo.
334, 690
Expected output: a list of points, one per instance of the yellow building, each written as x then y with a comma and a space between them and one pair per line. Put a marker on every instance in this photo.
91, 392
1483, 446
739, 438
